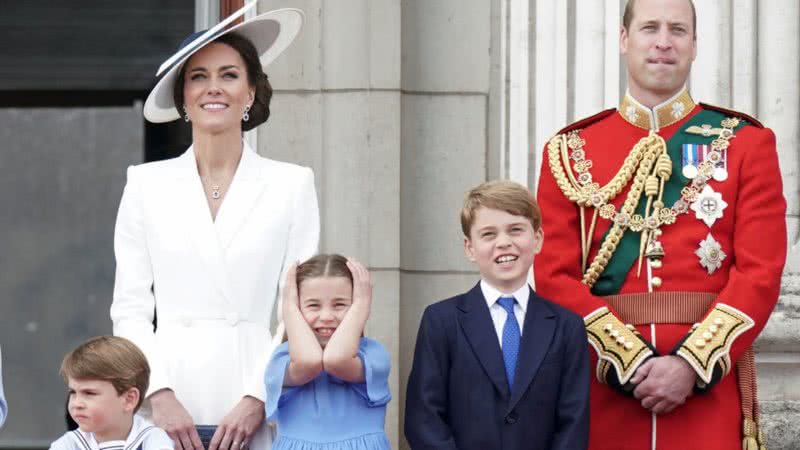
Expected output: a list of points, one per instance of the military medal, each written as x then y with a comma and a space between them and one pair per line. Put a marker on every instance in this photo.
709, 205
720, 159
710, 254
695, 154
692, 154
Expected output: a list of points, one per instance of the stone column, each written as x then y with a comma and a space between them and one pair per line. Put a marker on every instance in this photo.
336, 109
446, 46
778, 102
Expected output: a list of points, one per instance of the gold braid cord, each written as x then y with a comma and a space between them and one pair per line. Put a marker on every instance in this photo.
652, 167
590, 194
640, 160
653, 145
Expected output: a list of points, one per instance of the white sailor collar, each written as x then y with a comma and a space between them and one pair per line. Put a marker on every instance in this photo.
140, 429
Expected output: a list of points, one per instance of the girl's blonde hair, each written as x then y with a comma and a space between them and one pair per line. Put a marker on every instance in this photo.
324, 265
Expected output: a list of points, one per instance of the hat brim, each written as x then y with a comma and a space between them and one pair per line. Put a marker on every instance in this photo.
270, 32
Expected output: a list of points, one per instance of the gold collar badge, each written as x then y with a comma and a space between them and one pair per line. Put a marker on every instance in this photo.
663, 115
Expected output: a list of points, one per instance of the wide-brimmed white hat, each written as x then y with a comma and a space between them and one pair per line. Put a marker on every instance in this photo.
270, 33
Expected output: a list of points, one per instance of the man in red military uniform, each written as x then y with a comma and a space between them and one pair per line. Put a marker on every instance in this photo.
665, 222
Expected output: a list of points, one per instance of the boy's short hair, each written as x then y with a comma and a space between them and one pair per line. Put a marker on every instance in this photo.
109, 358
503, 195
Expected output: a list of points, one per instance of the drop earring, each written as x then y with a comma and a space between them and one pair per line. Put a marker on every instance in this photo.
185, 114
246, 115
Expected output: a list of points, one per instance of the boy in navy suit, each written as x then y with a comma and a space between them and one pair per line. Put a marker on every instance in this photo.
499, 367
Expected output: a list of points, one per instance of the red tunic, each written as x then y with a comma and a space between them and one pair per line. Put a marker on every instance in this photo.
752, 233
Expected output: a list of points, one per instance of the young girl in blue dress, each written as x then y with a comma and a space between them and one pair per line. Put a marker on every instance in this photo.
327, 386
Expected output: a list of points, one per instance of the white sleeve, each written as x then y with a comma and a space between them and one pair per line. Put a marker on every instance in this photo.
133, 306
302, 244
157, 439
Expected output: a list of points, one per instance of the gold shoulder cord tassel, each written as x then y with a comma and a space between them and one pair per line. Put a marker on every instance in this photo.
582, 190
752, 436
654, 145
654, 188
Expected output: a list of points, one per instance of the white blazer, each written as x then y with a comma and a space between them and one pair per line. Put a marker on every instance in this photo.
212, 283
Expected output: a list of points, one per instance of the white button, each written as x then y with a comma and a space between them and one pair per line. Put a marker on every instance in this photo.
232, 318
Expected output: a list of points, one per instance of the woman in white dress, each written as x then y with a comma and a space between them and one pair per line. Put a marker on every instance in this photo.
203, 240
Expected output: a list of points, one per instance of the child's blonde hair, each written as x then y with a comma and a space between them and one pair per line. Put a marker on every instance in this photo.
503, 195
324, 265
109, 358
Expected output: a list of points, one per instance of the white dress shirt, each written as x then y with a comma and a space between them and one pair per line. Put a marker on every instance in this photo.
499, 315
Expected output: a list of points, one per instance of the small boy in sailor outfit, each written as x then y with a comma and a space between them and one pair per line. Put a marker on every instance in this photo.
108, 378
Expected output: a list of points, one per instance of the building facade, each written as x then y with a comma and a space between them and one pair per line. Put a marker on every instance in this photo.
400, 106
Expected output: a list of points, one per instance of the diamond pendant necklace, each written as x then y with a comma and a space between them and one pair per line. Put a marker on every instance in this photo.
215, 192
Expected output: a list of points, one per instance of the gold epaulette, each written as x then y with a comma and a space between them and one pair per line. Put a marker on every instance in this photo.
616, 343
710, 342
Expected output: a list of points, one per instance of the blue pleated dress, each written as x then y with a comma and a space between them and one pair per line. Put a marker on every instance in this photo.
328, 413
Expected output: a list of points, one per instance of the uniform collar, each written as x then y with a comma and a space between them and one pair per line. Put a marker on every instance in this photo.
662, 115
492, 294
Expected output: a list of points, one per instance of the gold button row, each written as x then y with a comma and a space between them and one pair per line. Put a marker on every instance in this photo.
706, 336
614, 333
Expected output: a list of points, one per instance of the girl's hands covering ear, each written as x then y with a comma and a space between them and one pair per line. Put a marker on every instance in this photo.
362, 285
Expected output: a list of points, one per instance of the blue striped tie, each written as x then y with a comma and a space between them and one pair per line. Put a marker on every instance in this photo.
511, 335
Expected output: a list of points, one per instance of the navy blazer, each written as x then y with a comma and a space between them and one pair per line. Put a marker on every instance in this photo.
458, 396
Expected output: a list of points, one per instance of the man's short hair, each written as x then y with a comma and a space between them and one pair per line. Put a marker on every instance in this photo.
109, 358
627, 16
503, 195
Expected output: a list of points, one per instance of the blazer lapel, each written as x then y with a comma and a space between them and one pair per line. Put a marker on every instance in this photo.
196, 220
246, 189
476, 322
536, 337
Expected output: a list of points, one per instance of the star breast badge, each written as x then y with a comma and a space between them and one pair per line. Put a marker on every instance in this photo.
709, 205
710, 254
